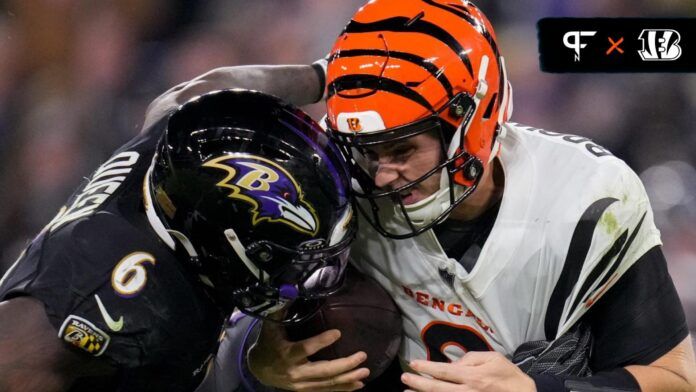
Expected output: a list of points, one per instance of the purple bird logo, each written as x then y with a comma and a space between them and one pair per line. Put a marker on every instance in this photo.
273, 193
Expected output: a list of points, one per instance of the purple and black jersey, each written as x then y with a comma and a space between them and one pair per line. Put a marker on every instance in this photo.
113, 289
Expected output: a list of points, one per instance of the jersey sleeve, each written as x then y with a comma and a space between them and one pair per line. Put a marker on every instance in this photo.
228, 371
67, 279
16, 279
623, 232
640, 319
127, 300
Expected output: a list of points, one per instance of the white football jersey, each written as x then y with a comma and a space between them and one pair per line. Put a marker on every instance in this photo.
572, 220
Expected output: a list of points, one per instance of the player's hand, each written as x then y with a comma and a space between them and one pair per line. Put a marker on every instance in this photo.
279, 363
475, 371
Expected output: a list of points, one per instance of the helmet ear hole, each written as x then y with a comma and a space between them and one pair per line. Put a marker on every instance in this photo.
456, 109
261, 253
461, 106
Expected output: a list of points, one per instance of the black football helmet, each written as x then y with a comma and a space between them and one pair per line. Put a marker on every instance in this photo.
259, 196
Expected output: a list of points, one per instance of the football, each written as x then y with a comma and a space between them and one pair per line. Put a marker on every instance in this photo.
367, 317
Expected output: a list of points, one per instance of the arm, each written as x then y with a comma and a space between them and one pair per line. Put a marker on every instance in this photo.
641, 326
32, 358
674, 371
490, 371
639, 334
639, 331
296, 84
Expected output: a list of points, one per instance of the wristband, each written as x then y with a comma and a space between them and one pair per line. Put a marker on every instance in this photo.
616, 380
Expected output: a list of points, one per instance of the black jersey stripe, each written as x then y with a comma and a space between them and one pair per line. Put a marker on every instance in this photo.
410, 57
402, 25
577, 251
619, 245
623, 252
611, 253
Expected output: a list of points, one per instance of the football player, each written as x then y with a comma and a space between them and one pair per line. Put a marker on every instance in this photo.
493, 237
235, 201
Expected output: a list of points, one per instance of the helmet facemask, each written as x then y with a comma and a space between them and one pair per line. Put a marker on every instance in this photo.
389, 213
282, 275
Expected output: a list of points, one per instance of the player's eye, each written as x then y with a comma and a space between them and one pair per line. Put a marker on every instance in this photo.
402, 152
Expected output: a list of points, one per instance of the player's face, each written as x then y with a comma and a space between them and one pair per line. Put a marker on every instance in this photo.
396, 164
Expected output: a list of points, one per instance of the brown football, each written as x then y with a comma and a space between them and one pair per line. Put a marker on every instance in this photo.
367, 317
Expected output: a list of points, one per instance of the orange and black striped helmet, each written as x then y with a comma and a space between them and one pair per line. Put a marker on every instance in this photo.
402, 65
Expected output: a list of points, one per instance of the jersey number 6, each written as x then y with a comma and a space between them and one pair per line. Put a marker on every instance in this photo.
129, 275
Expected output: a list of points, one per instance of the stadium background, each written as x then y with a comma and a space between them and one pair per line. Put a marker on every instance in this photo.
77, 75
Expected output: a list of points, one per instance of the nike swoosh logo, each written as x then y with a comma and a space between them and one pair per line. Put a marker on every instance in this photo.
110, 322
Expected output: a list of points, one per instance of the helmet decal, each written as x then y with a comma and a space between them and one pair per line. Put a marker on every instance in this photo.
273, 193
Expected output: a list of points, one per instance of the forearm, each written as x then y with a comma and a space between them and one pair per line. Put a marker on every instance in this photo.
652, 378
296, 84
613, 380
630, 378
674, 371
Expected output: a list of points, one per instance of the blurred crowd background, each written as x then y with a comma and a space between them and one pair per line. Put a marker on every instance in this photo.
77, 75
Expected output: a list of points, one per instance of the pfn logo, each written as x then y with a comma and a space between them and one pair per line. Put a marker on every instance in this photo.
660, 45
575, 43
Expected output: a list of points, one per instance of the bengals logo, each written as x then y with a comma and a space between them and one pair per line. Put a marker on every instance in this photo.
660, 45
354, 124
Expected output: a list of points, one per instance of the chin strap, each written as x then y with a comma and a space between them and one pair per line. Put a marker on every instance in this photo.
505, 110
191, 251
185, 242
481, 91
239, 249
506, 105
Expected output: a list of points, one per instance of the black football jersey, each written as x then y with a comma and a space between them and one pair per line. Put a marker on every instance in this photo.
113, 288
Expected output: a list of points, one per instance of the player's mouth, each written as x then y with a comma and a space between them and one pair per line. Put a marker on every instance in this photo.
409, 196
